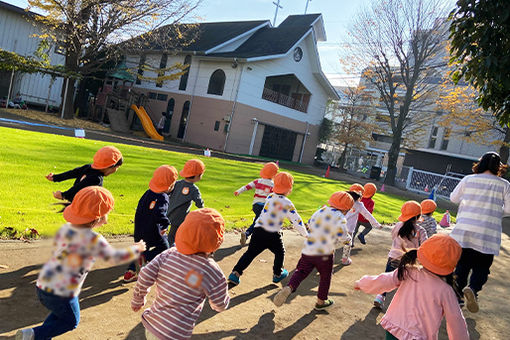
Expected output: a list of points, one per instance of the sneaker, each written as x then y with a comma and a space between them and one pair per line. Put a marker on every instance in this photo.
130, 276
283, 275
280, 298
243, 239
361, 238
471, 300
346, 261
25, 334
234, 279
328, 303
379, 301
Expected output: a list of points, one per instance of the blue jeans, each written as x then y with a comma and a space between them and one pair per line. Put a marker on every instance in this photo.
64, 316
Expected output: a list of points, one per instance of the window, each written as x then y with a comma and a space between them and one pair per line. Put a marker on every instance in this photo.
161, 73
433, 137
140, 69
446, 137
217, 125
184, 78
153, 95
184, 119
60, 48
162, 97
382, 138
216, 83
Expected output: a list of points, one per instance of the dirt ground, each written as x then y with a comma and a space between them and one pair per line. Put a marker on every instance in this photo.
105, 299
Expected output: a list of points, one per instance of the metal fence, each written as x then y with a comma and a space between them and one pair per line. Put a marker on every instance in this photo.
425, 181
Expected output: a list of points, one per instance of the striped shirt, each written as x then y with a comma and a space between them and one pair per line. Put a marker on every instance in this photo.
483, 199
429, 224
276, 209
183, 282
353, 214
263, 187
327, 226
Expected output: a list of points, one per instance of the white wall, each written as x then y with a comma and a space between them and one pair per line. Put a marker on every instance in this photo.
16, 36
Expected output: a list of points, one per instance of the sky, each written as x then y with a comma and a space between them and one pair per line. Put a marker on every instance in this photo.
336, 15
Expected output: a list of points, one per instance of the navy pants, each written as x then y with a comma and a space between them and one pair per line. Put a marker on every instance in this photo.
478, 264
257, 209
64, 315
260, 241
367, 227
152, 253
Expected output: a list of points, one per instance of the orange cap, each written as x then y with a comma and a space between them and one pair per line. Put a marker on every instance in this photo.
192, 168
283, 182
357, 188
89, 204
201, 232
409, 210
164, 177
428, 206
106, 157
269, 170
341, 200
370, 190
439, 254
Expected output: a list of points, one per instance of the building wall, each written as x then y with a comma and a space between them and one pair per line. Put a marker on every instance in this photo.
16, 35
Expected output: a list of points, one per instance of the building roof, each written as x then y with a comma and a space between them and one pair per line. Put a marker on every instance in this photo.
16, 9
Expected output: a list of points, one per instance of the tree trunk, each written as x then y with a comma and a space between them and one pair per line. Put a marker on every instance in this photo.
391, 173
71, 64
341, 160
503, 150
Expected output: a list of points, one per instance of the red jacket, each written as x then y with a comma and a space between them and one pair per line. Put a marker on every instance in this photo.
369, 204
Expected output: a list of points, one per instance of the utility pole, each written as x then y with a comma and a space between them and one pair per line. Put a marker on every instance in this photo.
277, 4
306, 7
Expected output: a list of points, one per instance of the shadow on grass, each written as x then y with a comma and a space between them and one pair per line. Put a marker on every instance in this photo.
24, 308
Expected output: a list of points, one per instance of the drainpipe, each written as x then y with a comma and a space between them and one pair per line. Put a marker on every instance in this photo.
233, 107
191, 101
255, 120
303, 144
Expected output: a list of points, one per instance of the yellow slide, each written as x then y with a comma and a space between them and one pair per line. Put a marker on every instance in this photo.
149, 128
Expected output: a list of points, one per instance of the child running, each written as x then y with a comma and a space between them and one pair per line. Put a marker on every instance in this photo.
369, 191
424, 293
151, 222
184, 192
327, 226
356, 191
77, 247
266, 234
428, 223
406, 234
107, 161
185, 276
263, 187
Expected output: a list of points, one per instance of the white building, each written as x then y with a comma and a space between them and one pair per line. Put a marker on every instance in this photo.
17, 29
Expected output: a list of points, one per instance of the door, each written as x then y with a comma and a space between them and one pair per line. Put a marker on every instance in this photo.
184, 119
278, 143
169, 114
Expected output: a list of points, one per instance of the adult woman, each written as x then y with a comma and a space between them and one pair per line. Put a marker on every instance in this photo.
483, 197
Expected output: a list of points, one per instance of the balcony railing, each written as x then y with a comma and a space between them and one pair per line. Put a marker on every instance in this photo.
279, 98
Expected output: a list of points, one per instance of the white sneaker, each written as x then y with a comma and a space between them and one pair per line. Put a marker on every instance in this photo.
471, 301
346, 261
25, 334
379, 301
280, 298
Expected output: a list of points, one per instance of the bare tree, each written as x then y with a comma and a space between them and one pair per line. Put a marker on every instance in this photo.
89, 32
396, 43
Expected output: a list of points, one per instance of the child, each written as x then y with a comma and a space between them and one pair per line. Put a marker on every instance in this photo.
326, 226
185, 276
424, 293
356, 191
369, 191
151, 222
429, 223
263, 187
266, 234
184, 192
107, 161
77, 247
406, 234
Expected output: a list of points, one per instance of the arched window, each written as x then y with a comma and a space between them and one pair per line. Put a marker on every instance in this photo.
184, 119
216, 83
184, 78
169, 113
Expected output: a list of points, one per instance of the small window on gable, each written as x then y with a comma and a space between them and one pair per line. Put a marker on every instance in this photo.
141, 65
217, 125
216, 83
184, 78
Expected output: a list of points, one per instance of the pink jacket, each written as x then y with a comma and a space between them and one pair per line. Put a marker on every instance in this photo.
396, 251
421, 301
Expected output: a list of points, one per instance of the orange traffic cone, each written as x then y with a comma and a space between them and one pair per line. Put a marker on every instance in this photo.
327, 172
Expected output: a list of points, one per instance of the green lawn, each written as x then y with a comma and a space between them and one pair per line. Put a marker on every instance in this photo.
26, 199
